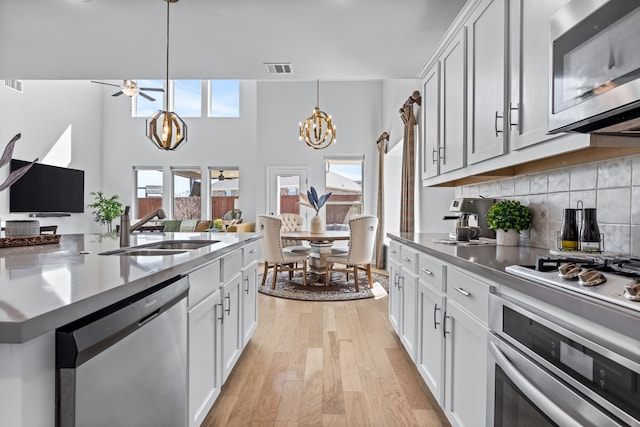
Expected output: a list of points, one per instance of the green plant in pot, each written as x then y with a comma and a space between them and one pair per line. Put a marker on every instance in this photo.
106, 209
508, 218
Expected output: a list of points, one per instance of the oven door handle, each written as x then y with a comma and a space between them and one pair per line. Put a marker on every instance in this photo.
547, 405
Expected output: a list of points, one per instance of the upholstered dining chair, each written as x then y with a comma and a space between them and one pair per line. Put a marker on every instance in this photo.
274, 256
293, 222
362, 237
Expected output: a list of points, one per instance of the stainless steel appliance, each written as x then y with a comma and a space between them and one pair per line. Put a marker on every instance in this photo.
126, 365
472, 212
595, 68
557, 364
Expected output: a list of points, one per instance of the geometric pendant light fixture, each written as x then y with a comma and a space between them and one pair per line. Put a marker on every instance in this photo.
165, 128
317, 130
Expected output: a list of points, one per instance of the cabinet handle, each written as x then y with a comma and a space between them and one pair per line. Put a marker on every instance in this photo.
246, 291
252, 251
513, 108
400, 286
393, 251
425, 271
495, 123
435, 322
434, 156
221, 318
396, 279
444, 325
406, 259
462, 291
228, 298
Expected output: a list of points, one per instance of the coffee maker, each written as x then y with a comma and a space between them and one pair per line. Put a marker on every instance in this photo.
472, 212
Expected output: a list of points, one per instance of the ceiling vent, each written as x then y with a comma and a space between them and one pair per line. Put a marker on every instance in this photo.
281, 68
14, 84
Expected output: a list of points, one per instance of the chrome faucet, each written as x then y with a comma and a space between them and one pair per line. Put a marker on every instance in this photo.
126, 229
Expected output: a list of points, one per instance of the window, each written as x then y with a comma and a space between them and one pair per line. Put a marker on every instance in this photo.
148, 190
187, 203
344, 179
225, 193
224, 98
141, 106
289, 190
187, 98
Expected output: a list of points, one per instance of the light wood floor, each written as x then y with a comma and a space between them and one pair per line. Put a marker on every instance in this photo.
324, 364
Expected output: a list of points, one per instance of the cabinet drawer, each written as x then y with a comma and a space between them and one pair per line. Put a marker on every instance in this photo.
394, 250
231, 265
409, 259
203, 282
250, 253
469, 292
431, 271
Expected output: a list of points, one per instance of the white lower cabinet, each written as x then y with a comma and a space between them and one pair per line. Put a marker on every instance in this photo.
223, 315
450, 309
465, 368
205, 376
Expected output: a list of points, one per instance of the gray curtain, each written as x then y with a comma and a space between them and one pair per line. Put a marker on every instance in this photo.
382, 149
407, 219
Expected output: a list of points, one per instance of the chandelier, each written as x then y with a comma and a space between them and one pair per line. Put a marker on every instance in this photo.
165, 128
317, 130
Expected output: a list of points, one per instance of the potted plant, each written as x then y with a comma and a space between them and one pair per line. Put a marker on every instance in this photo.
508, 218
312, 200
106, 209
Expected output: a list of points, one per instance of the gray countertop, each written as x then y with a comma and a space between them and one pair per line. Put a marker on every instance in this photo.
44, 287
489, 261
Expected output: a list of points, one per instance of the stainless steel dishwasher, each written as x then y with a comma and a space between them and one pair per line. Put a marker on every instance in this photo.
126, 365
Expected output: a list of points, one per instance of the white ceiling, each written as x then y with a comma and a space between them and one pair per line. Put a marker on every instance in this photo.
126, 39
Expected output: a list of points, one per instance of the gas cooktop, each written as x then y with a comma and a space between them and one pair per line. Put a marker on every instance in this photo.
612, 279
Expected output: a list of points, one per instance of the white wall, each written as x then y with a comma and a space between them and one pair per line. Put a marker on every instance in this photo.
42, 113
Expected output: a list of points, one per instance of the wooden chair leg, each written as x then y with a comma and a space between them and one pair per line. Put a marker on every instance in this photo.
264, 275
275, 275
304, 273
369, 276
355, 277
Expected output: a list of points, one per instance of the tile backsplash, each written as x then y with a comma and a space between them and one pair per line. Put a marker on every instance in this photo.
612, 186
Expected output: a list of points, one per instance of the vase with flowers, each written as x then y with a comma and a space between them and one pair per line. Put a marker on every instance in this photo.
312, 200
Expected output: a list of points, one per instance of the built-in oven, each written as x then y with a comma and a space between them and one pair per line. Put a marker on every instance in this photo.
595, 67
549, 368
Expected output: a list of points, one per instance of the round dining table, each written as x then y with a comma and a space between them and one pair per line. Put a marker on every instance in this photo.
321, 246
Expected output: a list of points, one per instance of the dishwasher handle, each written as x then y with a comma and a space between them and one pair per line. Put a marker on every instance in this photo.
81, 340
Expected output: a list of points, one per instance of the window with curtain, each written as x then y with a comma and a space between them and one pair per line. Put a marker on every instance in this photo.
344, 178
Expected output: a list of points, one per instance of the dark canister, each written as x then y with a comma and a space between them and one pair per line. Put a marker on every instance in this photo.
569, 235
590, 237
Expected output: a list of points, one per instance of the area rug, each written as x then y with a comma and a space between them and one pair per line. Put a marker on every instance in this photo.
317, 291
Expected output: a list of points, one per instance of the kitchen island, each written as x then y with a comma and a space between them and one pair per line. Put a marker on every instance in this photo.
475, 330
45, 287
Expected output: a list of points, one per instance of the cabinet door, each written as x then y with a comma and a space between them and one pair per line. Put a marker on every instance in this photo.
204, 357
453, 107
231, 330
249, 302
395, 297
430, 345
465, 368
529, 70
431, 122
486, 80
408, 312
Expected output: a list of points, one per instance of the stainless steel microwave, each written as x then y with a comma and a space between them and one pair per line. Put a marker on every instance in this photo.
595, 67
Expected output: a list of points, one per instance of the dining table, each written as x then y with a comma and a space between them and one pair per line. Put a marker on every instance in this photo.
321, 245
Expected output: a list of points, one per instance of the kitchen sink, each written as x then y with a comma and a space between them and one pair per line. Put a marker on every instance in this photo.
178, 244
167, 247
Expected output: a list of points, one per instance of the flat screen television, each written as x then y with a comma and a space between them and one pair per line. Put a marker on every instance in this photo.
46, 188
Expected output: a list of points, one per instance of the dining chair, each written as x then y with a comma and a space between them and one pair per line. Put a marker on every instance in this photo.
362, 237
293, 222
274, 256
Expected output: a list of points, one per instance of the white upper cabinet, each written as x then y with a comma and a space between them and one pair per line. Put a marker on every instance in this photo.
529, 71
454, 99
486, 81
431, 122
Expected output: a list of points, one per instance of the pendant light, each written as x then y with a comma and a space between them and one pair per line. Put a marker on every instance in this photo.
165, 128
317, 130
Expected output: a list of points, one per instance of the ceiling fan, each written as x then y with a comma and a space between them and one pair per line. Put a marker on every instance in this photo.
130, 88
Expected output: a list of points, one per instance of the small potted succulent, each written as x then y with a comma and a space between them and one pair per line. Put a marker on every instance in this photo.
508, 218
312, 200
